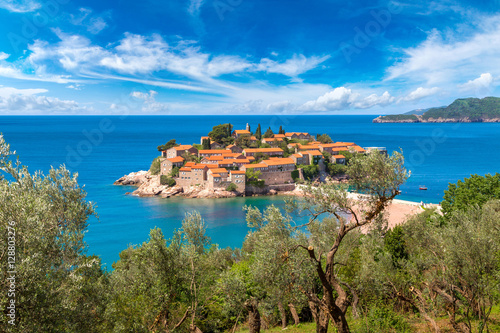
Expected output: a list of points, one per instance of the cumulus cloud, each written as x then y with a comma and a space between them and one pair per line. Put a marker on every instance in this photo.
149, 102
4, 55
20, 6
28, 100
419, 93
483, 82
342, 98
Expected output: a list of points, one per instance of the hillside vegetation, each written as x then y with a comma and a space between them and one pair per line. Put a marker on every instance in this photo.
461, 110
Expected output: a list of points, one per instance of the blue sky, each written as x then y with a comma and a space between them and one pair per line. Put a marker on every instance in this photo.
245, 56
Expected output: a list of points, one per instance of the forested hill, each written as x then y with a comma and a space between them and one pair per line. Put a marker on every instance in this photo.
461, 110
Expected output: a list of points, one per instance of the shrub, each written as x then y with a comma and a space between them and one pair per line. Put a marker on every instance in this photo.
295, 174
166, 180
231, 187
155, 166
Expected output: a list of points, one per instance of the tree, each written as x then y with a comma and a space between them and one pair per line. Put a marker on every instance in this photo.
475, 190
167, 145
231, 187
155, 166
220, 132
258, 133
379, 177
252, 175
205, 144
324, 138
348, 156
44, 219
269, 133
243, 141
281, 130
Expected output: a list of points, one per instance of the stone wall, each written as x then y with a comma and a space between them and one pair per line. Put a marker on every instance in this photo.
251, 189
273, 178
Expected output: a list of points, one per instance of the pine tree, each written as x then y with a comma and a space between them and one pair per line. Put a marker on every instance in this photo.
281, 131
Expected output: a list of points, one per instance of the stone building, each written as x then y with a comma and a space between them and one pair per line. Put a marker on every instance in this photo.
167, 164
179, 151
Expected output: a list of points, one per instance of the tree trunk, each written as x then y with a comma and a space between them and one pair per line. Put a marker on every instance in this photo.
295, 315
320, 316
253, 316
281, 308
194, 329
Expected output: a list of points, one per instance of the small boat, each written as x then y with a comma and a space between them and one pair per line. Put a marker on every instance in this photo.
422, 187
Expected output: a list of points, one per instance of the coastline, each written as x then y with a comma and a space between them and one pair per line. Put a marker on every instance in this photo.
148, 185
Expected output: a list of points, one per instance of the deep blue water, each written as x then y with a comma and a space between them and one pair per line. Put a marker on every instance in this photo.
104, 148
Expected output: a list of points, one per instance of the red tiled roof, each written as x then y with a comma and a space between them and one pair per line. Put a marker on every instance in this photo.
237, 172
256, 165
241, 132
216, 175
177, 159
279, 161
214, 151
189, 164
199, 166
185, 169
338, 156
218, 170
183, 147
279, 136
313, 152
263, 150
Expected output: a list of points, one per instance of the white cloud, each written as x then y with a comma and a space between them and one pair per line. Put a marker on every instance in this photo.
194, 7
292, 67
20, 6
94, 24
149, 102
419, 93
342, 98
137, 54
449, 57
6, 92
28, 100
4, 55
483, 82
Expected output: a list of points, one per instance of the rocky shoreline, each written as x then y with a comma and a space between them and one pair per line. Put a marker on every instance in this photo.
149, 186
381, 120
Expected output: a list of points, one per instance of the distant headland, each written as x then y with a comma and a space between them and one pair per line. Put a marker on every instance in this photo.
463, 110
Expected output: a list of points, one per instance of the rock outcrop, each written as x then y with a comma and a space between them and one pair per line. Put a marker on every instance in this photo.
149, 186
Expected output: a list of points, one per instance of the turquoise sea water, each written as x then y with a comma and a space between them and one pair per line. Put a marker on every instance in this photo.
103, 148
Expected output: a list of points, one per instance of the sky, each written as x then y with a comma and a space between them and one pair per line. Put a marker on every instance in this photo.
245, 56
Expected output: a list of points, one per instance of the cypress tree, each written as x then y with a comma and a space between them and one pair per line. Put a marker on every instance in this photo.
258, 133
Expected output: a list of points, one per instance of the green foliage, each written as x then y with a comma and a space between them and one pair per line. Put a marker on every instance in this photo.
205, 144
166, 180
57, 287
258, 133
474, 109
336, 169
155, 166
265, 145
295, 174
243, 141
167, 145
269, 133
348, 156
400, 117
220, 132
395, 245
231, 187
260, 156
174, 172
475, 190
310, 171
252, 175
281, 130
382, 318
324, 138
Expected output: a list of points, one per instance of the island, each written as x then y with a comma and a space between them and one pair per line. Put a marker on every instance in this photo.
465, 110
229, 163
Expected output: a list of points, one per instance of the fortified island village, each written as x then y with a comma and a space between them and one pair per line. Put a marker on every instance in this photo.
238, 162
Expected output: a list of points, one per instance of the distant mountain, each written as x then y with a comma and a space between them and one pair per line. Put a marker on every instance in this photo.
466, 110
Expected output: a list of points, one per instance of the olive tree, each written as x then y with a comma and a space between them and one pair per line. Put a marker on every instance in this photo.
378, 177
56, 286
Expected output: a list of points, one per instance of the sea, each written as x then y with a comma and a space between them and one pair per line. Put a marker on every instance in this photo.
101, 149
